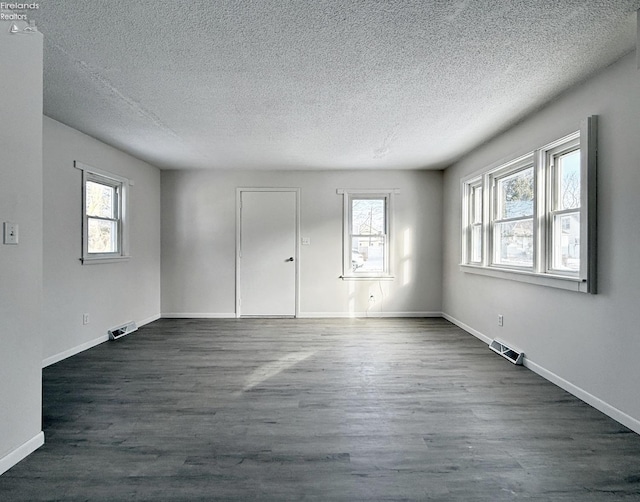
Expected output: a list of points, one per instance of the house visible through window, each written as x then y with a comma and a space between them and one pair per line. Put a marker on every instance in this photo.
513, 218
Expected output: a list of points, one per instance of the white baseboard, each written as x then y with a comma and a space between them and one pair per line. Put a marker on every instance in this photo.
88, 345
198, 315
353, 315
22, 451
600, 405
149, 319
590, 399
302, 315
74, 350
467, 328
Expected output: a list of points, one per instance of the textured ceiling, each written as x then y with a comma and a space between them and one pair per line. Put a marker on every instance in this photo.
317, 84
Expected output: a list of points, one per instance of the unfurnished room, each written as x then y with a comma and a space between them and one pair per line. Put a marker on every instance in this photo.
320, 250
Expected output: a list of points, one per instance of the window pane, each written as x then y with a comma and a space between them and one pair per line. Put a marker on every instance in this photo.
514, 243
100, 200
568, 182
476, 196
368, 254
476, 243
102, 236
566, 242
368, 217
515, 195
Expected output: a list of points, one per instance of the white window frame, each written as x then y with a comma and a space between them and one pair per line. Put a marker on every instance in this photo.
347, 268
510, 169
475, 218
122, 186
549, 156
543, 159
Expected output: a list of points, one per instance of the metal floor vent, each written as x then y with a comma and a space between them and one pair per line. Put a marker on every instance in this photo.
507, 352
120, 331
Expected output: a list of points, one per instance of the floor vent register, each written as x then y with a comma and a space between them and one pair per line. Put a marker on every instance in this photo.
509, 353
120, 331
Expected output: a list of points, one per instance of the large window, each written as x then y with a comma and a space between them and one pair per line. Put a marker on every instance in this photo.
366, 234
533, 218
104, 229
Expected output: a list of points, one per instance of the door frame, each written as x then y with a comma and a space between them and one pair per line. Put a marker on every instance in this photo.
296, 255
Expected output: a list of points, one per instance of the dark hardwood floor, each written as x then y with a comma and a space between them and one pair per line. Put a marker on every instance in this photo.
286, 409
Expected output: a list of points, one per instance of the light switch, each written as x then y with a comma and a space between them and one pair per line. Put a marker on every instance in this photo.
306, 241
10, 233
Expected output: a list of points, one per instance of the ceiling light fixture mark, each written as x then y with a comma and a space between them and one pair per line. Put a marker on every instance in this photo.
388, 141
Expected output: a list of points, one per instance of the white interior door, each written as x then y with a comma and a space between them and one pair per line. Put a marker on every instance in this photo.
267, 255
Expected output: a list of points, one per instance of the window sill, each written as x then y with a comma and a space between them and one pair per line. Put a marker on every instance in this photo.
552, 281
367, 277
99, 261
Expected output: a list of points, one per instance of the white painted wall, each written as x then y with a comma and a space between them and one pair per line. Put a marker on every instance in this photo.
20, 265
198, 242
587, 343
111, 293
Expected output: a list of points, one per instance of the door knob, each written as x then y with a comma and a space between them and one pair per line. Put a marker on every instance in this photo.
290, 259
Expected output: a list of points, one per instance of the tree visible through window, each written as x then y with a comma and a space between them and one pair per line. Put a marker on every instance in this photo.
565, 213
368, 235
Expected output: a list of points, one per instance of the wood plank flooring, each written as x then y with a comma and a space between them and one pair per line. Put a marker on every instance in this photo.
297, 409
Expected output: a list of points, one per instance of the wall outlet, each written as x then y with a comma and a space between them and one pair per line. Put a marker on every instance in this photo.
85, 318
500, 320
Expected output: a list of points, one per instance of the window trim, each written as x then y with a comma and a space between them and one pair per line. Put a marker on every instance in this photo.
348, 195
542, 272
98, 175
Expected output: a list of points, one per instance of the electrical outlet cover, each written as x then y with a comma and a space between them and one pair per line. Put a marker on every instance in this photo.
10, 233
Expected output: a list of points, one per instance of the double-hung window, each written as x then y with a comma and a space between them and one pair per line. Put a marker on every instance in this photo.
563, 196
367, 234
513, 214
104, 218
475, 210
532, 219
